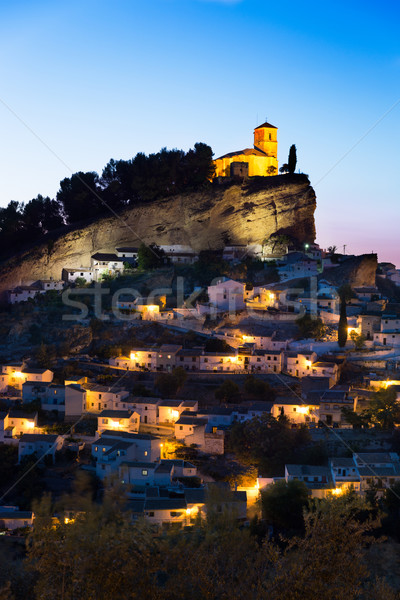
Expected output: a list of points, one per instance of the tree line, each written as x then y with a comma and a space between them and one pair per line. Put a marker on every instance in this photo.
122, 184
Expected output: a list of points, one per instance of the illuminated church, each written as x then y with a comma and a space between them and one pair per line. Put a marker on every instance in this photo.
261, 160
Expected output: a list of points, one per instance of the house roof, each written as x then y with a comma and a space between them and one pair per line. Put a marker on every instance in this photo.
38, 437
109, 433
266, 125
307, 470
16, 514
106, 257
171, 403
170, 348
34, 371
164, 468
245, 151
127, 249
165, 504
342, 461
143, 400
117, 414
138, 465
375, 457
195, 495
76, 387
19, 414
194, 420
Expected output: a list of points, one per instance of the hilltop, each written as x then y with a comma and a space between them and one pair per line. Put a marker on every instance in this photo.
234, 213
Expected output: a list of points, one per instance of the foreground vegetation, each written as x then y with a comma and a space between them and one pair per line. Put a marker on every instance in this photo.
102, 555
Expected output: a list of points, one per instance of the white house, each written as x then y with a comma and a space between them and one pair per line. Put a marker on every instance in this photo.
266, 361
227, 295
389, 335
299, 364
71, 275
106, 264
12, 518
15, 423
40, 444
51, 284
169, 411
186, 425
296, 411
114, 447
127, 252
23, 293
147, 408
118, 420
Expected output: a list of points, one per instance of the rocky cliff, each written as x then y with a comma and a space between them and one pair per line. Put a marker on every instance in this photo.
357, 271
236, 213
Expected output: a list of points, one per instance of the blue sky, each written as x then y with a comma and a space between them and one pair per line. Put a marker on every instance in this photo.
93, 80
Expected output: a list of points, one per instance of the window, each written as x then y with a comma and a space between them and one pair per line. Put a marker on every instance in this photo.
181, 358
294, 409
145, 453
144, 472
151, 514
206, 360
103, 449
95, 448
105, 421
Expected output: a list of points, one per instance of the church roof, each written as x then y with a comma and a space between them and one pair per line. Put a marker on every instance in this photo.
266, 124
246, 152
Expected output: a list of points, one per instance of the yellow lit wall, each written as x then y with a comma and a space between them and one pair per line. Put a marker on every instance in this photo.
265, 139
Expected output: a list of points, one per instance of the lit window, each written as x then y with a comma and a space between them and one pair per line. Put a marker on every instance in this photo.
144, 472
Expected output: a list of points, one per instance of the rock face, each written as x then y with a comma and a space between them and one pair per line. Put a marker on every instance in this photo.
357, 271
235, 214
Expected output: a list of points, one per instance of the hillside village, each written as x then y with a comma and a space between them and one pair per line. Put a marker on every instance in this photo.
142, 416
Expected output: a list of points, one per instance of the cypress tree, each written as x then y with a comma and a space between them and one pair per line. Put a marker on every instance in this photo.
342, 331
292, 159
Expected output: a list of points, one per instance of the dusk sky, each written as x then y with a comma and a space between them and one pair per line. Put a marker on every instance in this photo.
85, 81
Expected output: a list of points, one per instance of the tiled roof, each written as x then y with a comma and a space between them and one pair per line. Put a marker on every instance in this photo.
266, 124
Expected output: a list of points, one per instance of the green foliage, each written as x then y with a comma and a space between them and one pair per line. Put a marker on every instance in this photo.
139, 389
268, 443
283, 504
358, 340
292, 159
217, 345
80, 282
45, 355
310, 327
169, 384
258, 387
384, 408
345, 292
102, 551
150, 257
87, 196
227, 391
356, 420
